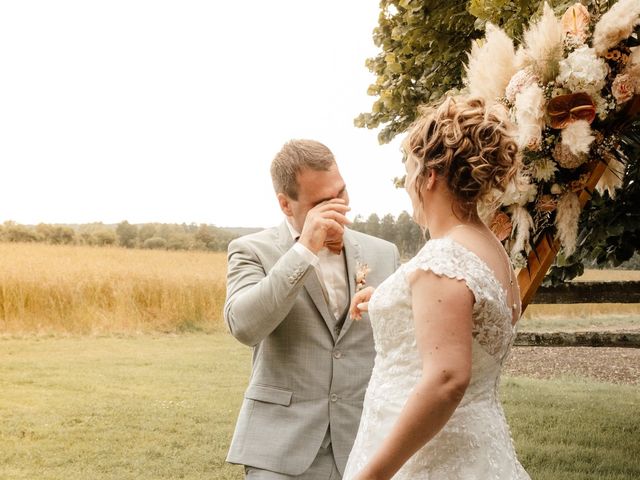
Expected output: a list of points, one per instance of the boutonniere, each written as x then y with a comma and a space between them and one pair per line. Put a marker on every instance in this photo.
362, 270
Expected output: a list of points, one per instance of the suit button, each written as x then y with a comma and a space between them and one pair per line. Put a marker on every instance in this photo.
334, 397
337, 354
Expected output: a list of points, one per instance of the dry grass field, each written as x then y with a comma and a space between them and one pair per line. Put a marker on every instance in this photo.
77, 289
95, 290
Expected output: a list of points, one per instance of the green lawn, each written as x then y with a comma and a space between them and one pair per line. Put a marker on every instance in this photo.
163, 407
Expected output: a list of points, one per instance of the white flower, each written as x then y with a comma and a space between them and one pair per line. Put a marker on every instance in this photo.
521, 80
519, 191
603, 107
577, 137
543, 169
583, 71
616, 25
529, 116
518, 261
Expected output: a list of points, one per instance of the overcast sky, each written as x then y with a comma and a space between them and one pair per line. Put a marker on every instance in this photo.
156, 111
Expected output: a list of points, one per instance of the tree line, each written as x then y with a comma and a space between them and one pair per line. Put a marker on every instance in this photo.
401, 230
161, 236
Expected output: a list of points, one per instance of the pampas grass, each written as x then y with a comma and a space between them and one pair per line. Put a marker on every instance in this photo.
529, 112
616, 25
522, 225
577, 137
491, 65
567, 221
542, 48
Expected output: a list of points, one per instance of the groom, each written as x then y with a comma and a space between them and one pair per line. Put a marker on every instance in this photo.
288, 295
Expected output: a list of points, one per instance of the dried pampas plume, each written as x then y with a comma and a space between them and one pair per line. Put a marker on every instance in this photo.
529, 114
491, 65
522, 223
577, 137
543, 46
612, 177
616, 25
567, 216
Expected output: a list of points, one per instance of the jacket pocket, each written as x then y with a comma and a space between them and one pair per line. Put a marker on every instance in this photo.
263, 393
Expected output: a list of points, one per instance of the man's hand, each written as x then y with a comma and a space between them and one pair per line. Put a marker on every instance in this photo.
360, 303
324, 223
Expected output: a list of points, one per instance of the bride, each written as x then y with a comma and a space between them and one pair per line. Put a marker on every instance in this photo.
443, 324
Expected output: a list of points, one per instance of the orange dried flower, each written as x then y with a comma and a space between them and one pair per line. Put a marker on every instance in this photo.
501, 226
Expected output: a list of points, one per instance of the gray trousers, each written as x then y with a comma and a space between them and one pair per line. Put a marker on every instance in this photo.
322, 468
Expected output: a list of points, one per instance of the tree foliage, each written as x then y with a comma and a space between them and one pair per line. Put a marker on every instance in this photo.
403, 231
160, 236
423, 49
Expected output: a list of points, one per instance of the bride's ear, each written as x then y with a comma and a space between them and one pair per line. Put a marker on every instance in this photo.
431, 179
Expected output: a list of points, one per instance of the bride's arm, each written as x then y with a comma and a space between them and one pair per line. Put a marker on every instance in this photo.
442, 309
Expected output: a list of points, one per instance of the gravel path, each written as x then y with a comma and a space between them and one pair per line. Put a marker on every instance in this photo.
614, 365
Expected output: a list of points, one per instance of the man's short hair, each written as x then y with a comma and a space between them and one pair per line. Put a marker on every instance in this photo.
295, 156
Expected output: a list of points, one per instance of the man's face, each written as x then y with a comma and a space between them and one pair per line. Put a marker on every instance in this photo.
314, 187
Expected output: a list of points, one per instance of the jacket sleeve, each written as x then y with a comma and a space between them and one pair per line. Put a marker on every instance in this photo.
258, 301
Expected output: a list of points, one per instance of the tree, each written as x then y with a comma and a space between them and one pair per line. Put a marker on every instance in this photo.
12, 232
145, 232
127, 234
56, 234
372, 225
387, 229
423, 49
155, 243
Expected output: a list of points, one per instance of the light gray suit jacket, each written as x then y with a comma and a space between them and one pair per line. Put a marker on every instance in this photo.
306, 375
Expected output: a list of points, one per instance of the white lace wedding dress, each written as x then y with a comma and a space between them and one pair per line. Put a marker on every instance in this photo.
476, 443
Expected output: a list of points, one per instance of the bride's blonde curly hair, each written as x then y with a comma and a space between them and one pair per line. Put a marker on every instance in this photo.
470, 145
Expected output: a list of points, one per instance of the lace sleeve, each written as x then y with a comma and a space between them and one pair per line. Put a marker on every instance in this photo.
447, 258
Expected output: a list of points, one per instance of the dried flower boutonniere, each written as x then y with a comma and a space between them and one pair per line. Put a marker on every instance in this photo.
362, 270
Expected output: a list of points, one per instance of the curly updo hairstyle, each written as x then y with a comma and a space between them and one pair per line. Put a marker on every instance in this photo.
468, 144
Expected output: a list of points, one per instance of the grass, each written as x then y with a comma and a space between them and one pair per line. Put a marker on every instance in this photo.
77, 289
164, 406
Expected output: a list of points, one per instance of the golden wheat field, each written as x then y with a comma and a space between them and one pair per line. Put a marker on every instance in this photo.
79, 289
94, 290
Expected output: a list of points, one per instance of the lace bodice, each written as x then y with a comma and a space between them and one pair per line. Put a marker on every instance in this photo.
475, 443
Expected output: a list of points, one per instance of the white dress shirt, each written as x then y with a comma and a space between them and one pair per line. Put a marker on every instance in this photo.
331, 271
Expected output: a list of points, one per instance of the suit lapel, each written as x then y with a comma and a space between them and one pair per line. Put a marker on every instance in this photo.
312, 282
353, 257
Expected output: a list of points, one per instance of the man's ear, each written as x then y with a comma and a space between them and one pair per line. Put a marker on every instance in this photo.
285, 204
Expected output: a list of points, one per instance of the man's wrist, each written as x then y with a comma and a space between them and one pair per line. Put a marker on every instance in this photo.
306, 254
